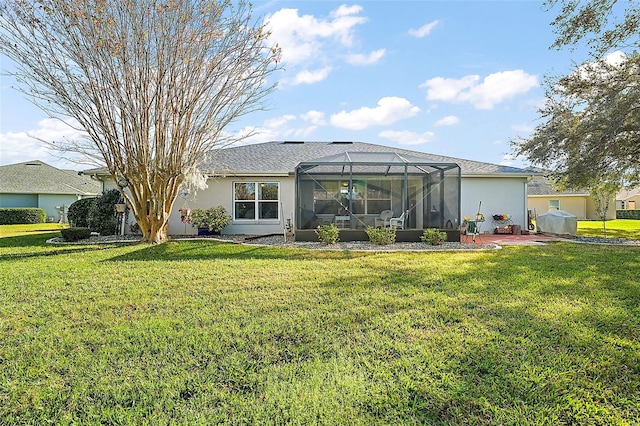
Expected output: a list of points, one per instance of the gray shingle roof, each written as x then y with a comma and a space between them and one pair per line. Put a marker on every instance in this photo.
543, 186
36, 177
627, 193
283, 157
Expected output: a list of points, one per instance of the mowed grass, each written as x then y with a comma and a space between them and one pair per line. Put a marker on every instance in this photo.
619, 228
198, 332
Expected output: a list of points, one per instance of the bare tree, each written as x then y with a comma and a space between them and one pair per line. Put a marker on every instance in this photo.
152, 83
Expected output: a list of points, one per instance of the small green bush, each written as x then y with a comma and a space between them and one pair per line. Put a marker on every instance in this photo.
381, 236
78, 213
102, 215
75, 234
433, 236
20, 216
328, 234
214, 219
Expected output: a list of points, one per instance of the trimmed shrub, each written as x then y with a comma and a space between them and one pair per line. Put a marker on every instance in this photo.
433, 236
381, 236
328, 234
75, 234
78, 213
628, 214
213, 219
102, 215
20, 216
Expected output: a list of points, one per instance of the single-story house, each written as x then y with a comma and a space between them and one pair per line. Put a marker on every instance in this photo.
272, 187
37, 184
628, 199
544, 196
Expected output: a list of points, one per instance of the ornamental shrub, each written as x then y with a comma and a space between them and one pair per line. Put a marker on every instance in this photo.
102, 215
328, 234
78, 213
214, 219
381, 236
75, 234
433, 236
22, 215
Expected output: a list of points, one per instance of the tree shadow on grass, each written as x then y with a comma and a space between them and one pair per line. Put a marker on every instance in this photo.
26, 255
212, 250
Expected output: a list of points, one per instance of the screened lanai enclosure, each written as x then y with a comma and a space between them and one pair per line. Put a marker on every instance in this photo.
356, 190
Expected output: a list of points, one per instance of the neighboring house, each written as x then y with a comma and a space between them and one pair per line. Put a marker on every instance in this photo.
628, 199
543, 196
269, 186
37, 184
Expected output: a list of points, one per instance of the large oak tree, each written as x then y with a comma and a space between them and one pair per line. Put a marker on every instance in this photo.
590, 131
152, 83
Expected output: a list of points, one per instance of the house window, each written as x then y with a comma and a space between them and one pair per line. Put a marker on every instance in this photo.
255, 200
554, 204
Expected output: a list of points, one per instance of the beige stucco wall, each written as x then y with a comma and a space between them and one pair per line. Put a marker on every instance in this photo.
631, 203
498, 196
581, 206
220, 192
591, 209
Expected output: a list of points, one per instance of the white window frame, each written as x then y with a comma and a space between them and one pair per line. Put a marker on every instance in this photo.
554, 207
256, 202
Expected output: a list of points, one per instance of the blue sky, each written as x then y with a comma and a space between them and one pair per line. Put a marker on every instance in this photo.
456, 78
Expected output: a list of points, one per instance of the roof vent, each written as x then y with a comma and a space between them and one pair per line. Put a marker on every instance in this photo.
33, 164
342, 142
294, 142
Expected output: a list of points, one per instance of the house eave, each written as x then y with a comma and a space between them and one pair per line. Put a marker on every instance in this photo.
557, 195
229, 173
498, 175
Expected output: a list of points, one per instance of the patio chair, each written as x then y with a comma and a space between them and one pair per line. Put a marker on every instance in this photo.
383, 219
470, 230
398, 222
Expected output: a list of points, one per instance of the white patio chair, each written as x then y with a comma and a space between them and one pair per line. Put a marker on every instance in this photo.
383, 219
398, 222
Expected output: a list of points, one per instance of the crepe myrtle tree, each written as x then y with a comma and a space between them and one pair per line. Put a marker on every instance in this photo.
153, 84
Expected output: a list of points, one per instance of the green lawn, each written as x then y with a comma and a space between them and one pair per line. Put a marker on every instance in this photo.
198, 332
620, 228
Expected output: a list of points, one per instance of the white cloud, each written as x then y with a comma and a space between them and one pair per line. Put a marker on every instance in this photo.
448, 89
485, 94
388, 111
302, 37
507, 160
596, 69
405, 137
371, 58
449, 120
615, 58
280, 128
308, 42
279, 122
314, 117
28, 145
309, 77
424, 30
